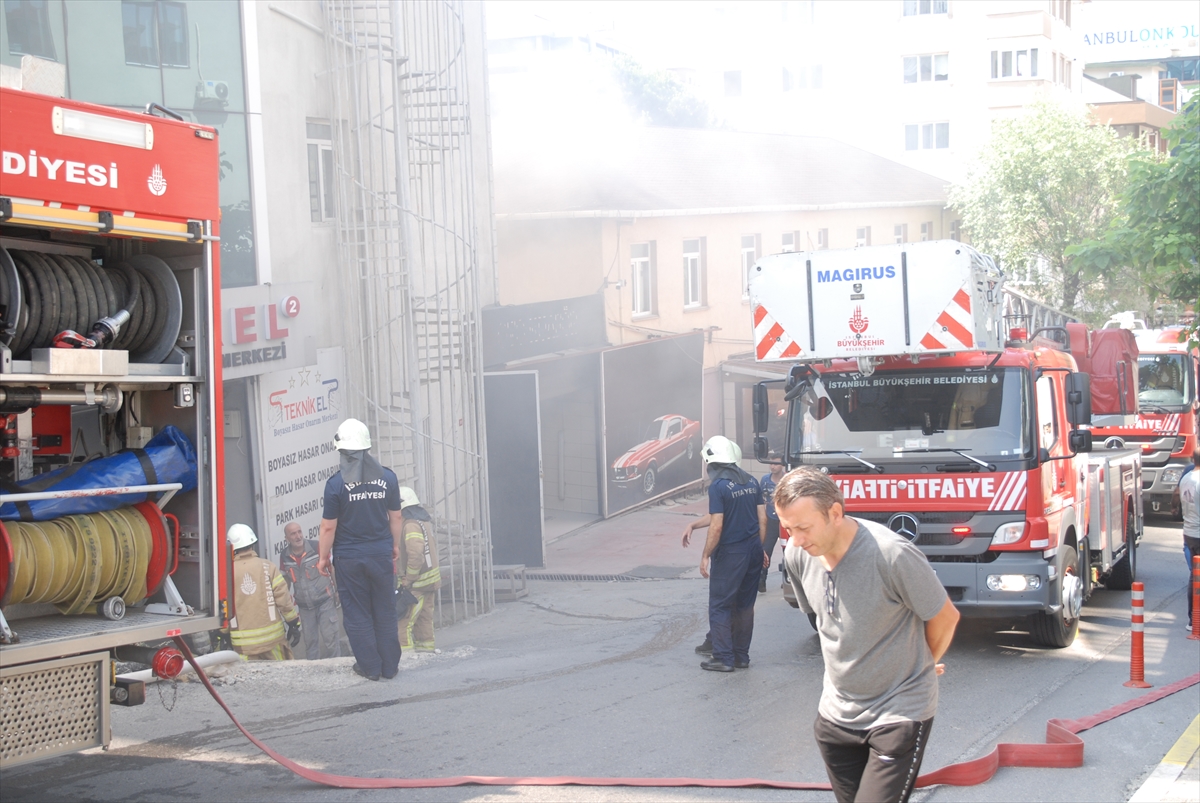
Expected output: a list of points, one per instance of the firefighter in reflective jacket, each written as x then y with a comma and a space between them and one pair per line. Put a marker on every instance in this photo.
265, 620
420, 575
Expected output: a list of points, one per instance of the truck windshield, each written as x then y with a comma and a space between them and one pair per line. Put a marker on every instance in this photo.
981, 412
1163, 381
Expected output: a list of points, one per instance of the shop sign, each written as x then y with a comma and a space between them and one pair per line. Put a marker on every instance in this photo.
263, 328
299, 411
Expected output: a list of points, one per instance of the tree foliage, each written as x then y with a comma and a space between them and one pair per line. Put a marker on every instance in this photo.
1047, 180
1156, 229
659, 98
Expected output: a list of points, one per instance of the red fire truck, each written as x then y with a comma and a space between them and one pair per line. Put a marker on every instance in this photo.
970, 441
1168, 409
110, 457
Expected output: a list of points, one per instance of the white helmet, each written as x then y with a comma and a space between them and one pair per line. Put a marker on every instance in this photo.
352, 436
240, 536
408, 497
720, 449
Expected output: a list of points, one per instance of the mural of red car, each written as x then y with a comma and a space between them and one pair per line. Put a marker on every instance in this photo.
668, 438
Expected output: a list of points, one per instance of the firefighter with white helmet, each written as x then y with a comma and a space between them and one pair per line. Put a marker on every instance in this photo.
420, 573
265, 623
361, 533
733, 555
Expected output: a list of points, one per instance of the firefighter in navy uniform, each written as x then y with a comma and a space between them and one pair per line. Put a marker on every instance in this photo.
360, 532
420, 573
733, 556
265, 624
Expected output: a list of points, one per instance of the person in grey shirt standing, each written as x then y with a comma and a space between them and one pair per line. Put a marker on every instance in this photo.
884, 621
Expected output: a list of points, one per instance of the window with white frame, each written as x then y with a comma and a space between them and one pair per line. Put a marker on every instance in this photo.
750, 249
956, 230
900, 230
862, 235
913, 8
822, 239
641, 262
1061, 9
927, 67
320, 171
926, 136
791, 241
1061, 69
1022, 63
927, 231
694, 273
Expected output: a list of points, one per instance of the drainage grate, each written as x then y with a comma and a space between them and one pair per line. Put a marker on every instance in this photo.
585, 578
52, 708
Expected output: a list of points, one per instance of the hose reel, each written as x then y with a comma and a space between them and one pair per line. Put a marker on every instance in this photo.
99, 563
46, 299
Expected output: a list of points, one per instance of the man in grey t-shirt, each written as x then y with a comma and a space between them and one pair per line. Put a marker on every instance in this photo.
884, 621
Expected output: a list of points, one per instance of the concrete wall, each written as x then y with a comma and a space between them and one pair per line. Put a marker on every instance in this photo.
295, 89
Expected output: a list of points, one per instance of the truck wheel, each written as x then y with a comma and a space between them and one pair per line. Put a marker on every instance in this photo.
1124, 571
1059, 629
649, 479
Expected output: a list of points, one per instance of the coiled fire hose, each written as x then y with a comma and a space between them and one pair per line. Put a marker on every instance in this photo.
43, 296
1063, 749
89, 563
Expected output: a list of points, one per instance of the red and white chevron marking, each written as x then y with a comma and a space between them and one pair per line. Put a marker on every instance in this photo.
1168, 425
1011, 493
952, 329
770, 341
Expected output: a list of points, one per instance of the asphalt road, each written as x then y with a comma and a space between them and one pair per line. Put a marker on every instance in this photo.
601, 679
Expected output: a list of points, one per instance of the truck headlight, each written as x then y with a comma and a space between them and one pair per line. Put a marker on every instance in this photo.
1170, 476
1014, 582
1009, 533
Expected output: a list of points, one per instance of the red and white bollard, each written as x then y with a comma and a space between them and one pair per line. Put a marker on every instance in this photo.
1195, 634
1137, 642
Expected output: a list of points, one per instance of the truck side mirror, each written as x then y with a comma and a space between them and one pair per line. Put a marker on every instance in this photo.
1079, 399
822, 408
761, 450
1080, 440
760, 409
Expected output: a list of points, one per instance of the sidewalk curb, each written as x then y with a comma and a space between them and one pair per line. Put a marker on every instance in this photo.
1158, 785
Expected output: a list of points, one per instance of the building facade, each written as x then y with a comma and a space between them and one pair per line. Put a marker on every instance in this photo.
310, 263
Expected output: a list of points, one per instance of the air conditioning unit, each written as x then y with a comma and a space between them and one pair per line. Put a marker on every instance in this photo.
213, 93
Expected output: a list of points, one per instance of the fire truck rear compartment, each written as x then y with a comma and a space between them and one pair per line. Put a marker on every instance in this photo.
165, 340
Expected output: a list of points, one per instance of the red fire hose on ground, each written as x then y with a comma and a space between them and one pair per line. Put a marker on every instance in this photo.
1063, 748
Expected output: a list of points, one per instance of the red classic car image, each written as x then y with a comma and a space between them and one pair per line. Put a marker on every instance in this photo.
668, 438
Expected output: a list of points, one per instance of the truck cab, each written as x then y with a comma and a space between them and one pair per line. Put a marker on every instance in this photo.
978, 455
1165, 427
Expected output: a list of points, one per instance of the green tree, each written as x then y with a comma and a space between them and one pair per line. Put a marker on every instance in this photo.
1047, 180
1156, 231
658, 97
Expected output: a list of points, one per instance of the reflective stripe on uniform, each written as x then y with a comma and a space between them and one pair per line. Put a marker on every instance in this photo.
428, 578
258, 635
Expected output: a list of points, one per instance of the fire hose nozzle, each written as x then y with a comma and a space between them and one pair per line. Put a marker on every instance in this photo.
105, 330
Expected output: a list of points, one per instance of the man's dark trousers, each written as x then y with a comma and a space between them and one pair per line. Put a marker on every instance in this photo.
877, 764
732, 592
367, 588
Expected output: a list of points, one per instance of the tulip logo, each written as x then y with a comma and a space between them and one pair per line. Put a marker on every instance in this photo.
156, 182
858, 324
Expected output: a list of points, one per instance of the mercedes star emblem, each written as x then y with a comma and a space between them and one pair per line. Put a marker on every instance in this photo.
905, 524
